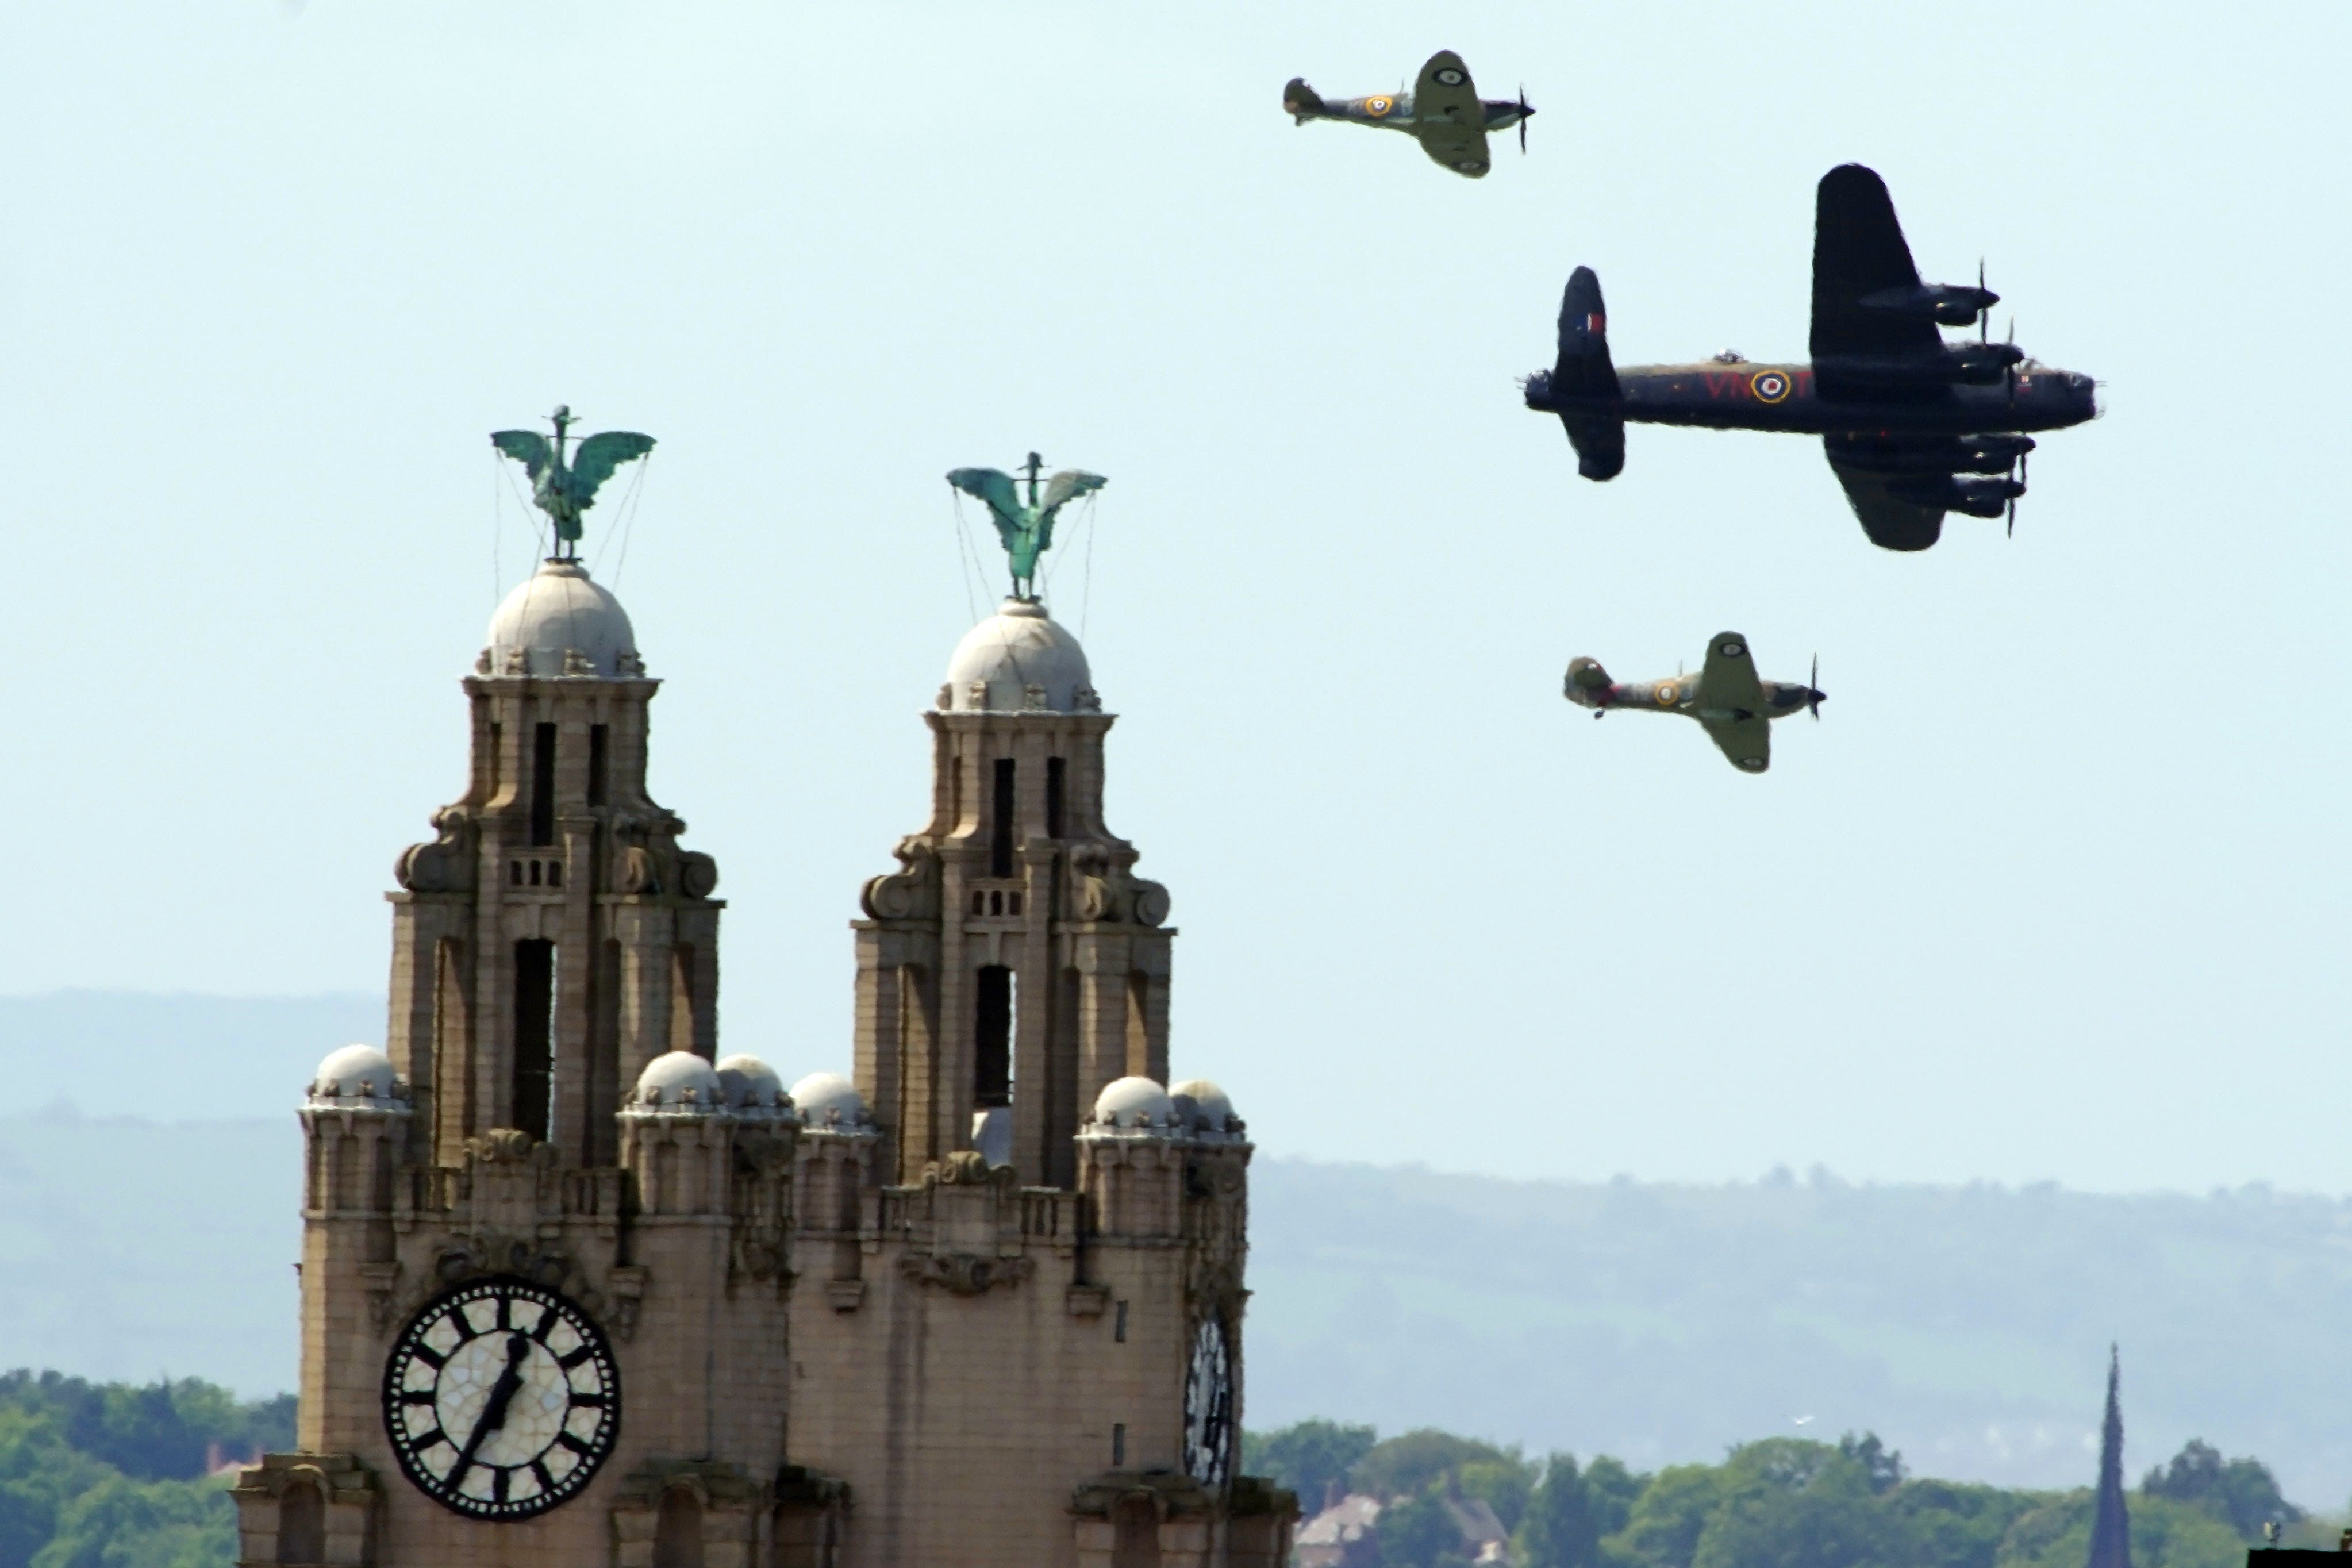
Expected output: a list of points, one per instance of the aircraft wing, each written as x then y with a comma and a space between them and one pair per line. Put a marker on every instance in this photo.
1447, 117
1727, 682
1747, 742
1892, 522
1858, 249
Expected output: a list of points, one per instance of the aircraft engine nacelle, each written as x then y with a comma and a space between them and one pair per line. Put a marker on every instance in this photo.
1981, 364
1993, 453
1586, 675
1977, 497
1946, 304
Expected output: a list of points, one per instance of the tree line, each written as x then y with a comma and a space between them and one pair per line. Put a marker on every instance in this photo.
1780, 1502
116, 1475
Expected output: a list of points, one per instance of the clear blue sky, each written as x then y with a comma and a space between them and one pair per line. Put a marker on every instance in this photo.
2055, 890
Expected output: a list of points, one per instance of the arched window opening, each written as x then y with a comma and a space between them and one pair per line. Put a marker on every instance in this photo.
1136, 1541
302, 1526
991, 1067
534, 1035
1000, 839
677, 1530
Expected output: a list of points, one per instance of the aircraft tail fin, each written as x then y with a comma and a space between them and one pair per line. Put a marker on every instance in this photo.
1300, 102
1586, 373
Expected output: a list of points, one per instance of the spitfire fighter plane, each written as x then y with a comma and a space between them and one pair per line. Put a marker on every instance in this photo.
1725, 696
1443, 113
1915, 427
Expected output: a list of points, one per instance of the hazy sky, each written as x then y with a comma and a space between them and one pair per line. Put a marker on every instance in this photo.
2056, 889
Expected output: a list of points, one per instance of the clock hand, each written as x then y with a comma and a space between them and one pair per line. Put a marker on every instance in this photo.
494, 1410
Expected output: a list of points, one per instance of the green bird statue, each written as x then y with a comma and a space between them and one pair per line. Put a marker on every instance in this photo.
1027, 531
565, 490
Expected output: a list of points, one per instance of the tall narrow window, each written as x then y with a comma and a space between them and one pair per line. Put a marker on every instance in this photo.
681, 997
534, 1035
1056, 795
1139, 1023
677, 1531
302, 1525
1000, 842
599, 737
991, 1064
543, 785
498, 760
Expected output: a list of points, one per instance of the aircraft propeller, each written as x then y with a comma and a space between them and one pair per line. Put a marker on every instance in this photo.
1984, 312
1813, 689
1525, 109
2009, 372
2013, 500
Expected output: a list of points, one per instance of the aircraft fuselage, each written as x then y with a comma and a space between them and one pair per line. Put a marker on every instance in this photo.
1746, 395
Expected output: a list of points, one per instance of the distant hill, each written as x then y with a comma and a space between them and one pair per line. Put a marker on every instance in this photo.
1968, 1326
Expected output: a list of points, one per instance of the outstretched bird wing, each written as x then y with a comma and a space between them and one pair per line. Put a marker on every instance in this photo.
997, 488
1068, 486
598, 456
527, 447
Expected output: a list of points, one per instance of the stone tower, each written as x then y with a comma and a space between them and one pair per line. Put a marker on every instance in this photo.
577, 1289
544, 1239
1017, 1331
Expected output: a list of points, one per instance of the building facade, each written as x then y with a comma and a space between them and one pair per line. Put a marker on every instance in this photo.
579, 1287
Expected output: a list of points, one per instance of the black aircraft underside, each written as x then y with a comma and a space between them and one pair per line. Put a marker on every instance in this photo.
1914, 426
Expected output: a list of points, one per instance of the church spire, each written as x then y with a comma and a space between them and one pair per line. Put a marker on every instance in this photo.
2111, 1527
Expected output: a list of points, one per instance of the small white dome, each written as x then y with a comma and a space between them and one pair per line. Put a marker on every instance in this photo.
679, 1081
356, 1075
1016, 649
558, 612
829, 1102
753, 1086
1135, 1104
1203, 1107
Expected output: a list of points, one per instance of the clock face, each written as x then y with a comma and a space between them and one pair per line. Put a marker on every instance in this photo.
1209, 1406
501, 1399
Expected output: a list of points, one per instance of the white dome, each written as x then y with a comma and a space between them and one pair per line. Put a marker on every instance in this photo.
355, 1074
1204, 1107
829, 1102
1016, 649
753, 1086
1135, 1104
558, 612
679, 1081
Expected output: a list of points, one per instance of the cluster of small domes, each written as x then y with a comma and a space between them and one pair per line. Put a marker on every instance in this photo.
1137, 1107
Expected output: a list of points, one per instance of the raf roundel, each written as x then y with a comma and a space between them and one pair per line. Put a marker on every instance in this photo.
1450, 77
1768, 385
1377, 107
1667, 694
501, 1399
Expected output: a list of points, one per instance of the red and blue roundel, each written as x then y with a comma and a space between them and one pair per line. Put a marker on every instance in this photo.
1770, 385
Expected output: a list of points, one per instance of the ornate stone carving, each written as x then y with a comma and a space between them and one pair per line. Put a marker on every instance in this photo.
576, 663
1107, 890
482, 662
446, 865
910, 893
698, 874
965, 1273
518, 662
969, 1168
383, 1283
629, 662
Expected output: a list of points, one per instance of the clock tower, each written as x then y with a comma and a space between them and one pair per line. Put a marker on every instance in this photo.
580, 1288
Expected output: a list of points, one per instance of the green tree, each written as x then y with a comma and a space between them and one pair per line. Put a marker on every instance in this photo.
1663, 1526
1420, 1532
123, 1523
2164, 1533
40, 1473
1561, 1529
1505, 1485
1407, 1464
1818, 1513
1307, 1457
1954, 1525
2242, 1491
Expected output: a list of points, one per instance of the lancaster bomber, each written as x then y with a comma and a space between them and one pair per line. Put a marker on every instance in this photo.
1443, 113
1725, 697
1914, 426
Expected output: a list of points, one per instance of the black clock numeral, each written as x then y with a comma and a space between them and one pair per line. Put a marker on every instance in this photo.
419, 1396
594, 1401
539, 1473
499, 1323
573, 1443
548, 1318
585, 1352
430, 1357
498, 1484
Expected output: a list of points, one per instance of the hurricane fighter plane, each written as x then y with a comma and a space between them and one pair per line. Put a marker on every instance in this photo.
1725, 696
1915, 427
1443, 113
